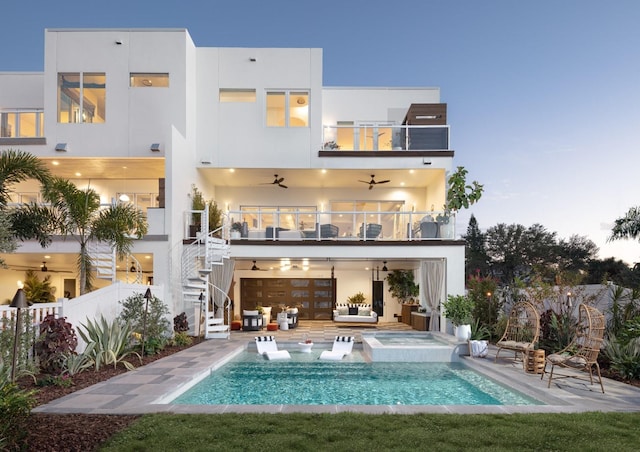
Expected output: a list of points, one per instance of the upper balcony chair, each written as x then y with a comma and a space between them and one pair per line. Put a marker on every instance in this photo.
251, 320
582, 353
429, 229
522, 331
373, 231
328, 231
342, 346
268, 348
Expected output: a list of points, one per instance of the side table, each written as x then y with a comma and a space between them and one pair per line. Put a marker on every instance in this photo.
534, 361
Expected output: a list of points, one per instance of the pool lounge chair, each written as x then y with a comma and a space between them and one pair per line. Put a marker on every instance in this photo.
267, 347
342, 346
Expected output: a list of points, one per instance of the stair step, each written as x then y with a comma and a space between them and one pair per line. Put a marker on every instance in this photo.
213, 321
195, 286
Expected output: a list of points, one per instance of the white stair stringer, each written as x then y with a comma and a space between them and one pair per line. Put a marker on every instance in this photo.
103, 260
197, 261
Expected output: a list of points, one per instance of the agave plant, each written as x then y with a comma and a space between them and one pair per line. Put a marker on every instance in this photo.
111, 342
74, 364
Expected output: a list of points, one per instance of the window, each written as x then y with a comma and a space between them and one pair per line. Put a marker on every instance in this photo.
148, 80
81, 97
287, 109
21, 123
237, 95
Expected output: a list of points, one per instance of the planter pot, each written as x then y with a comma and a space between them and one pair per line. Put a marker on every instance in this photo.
463, 332
235, 235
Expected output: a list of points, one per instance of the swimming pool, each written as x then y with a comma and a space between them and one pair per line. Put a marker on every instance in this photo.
249, 379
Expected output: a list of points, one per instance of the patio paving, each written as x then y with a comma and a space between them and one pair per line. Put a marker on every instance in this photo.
149, 388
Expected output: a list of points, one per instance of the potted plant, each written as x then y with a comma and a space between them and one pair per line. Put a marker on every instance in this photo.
358, 298
458, 309
331, 145
459, 195
197, 203
402, 285
236, 230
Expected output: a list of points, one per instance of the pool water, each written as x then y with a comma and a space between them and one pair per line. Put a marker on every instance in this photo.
249, 379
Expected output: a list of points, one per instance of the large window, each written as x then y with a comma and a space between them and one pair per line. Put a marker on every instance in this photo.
81, 97
287, 109
21, 123
148, 80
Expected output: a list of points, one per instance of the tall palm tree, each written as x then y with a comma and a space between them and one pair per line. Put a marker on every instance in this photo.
627, 227
15, 167
74, 212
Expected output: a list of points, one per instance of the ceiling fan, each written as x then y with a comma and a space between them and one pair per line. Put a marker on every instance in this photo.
277, 181
373, 182
256, 268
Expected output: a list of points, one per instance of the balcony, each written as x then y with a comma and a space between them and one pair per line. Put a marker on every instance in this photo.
385, 138
304, 225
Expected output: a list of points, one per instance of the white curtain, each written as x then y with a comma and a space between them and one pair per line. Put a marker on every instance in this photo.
432, 273
221, 277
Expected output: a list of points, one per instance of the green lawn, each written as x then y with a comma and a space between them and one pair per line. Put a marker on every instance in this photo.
360, 432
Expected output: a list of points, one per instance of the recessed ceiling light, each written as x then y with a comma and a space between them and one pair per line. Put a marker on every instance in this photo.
47, 257
147, 257
232, 170
324, 171
402, 184
411, 171
78, 174
55, 163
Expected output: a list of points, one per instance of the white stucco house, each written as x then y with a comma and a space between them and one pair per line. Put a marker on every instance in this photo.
327, 185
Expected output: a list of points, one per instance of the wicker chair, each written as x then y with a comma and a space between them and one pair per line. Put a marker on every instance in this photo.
582, 353
522, 331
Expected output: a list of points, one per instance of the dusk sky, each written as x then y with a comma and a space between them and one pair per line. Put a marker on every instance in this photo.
543, 96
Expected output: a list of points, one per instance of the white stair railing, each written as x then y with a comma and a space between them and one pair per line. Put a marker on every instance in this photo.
103, 260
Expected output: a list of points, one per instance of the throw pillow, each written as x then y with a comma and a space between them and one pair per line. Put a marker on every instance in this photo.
353, 311
364, 311
343, 310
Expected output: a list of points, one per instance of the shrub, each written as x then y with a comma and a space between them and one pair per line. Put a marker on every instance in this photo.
25, 362
64, 381
155, 326
458, 309
181, 339
111, 342
57, 340
74, 363
624, 357
15, 407
180, 323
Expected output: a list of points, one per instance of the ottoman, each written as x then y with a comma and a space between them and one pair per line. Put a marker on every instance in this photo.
272, 327
236, 325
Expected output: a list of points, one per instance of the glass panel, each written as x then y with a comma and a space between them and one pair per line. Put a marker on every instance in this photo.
93, 97
7, 125
322, 294
322, 282
300, 294
298, 109
28, 125
237, 95
277, 294
299, 283
69, 97
276, 109
149, 80
322, 304
345, 135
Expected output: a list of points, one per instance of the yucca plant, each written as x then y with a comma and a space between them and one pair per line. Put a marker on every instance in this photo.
74, 364
111, 342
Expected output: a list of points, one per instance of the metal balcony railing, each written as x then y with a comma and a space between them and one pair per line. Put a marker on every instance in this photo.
385, 138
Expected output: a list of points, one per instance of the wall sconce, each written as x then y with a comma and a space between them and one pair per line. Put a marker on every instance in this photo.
62, 147
155, 147
253, 60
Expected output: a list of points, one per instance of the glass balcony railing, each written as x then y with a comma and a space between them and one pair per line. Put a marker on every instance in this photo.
339, 225
385, 138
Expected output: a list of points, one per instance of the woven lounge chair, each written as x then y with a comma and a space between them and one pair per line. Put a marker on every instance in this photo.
342, 346
582, 353
268, 348
522, 331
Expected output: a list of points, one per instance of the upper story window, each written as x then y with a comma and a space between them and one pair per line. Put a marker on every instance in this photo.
81, 97
237, 95
287, 109
21, 123
148, 80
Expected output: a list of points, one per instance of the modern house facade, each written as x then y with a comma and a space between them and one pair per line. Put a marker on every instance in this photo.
321, 190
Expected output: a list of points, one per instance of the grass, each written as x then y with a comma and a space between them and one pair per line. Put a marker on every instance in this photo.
361, 432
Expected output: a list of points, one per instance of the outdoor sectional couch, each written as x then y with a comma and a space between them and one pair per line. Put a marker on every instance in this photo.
354, 313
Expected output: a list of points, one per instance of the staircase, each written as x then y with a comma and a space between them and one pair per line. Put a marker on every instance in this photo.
198, 259
103, 261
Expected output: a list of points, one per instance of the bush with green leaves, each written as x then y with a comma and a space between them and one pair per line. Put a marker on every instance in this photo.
155, 326
458, 309
57, 340
15, 407
487, 301
25, 361
624, 357
111, 342
181, 339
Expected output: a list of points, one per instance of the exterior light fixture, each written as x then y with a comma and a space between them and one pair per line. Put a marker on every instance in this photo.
62, 147
19, 302
147, 296
155, 147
